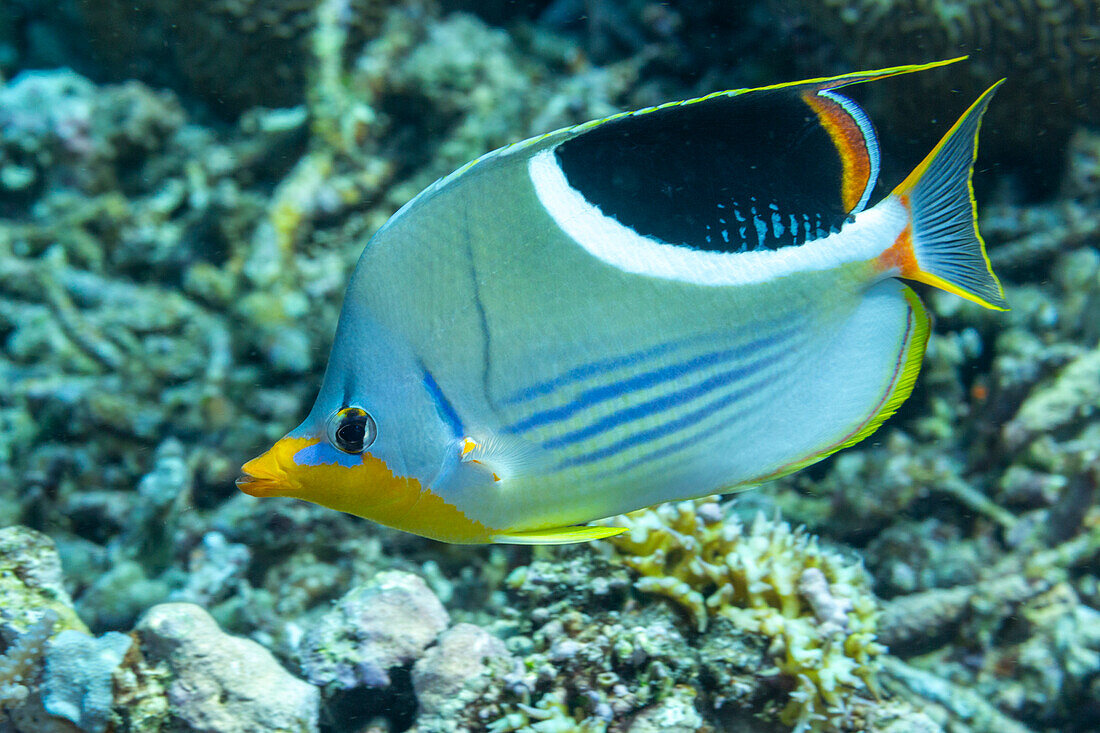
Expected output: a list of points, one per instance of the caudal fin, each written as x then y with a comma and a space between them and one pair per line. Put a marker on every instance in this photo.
943, 247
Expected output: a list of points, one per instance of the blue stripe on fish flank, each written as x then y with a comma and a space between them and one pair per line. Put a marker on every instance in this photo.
587, 370
442, 404
595, 395
660, 404
687, 441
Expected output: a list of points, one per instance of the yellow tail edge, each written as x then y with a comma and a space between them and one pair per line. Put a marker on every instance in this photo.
942, 245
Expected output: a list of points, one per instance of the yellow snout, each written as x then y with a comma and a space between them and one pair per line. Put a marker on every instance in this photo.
361, 485
264, 475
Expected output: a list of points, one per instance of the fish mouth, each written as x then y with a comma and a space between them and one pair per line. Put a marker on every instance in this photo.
260, 486
263, 476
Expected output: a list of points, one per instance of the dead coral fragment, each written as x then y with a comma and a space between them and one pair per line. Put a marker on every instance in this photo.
815, 606
21, 663
549, 715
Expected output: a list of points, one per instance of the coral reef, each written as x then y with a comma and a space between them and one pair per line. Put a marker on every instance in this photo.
814, 606
169, 281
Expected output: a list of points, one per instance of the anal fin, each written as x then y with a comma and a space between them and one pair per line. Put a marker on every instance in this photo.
557, 535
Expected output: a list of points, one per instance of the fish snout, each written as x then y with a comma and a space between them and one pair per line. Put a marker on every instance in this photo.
263, 476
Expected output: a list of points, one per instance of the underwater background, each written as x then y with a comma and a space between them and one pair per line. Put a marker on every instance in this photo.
185, 186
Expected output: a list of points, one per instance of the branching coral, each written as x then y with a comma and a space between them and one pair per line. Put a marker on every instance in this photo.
815, 606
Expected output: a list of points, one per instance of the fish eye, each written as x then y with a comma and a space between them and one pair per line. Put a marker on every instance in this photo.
352, 430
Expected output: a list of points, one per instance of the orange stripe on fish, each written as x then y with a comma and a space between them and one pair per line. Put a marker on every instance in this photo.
900, 254
851, 145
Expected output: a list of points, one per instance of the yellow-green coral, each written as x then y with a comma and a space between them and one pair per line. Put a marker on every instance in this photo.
814, 605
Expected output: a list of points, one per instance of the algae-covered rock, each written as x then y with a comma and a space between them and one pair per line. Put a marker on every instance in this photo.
453, 673
387, 622
31, 557
221, 683
30, 582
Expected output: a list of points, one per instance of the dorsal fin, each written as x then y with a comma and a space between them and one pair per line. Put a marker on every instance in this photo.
853, 137
734, 171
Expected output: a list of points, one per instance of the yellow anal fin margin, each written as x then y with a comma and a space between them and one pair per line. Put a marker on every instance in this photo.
556, 535
905, 378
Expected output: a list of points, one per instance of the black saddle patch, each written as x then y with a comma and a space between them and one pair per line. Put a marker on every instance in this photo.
741, 173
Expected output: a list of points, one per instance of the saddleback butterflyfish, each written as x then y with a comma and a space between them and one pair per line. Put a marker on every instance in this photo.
663, 304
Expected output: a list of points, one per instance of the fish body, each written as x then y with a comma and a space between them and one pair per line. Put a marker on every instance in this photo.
661, 305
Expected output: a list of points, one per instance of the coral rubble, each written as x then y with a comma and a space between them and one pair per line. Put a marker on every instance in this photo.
220, 682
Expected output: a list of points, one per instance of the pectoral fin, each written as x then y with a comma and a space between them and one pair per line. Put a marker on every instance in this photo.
504, 456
